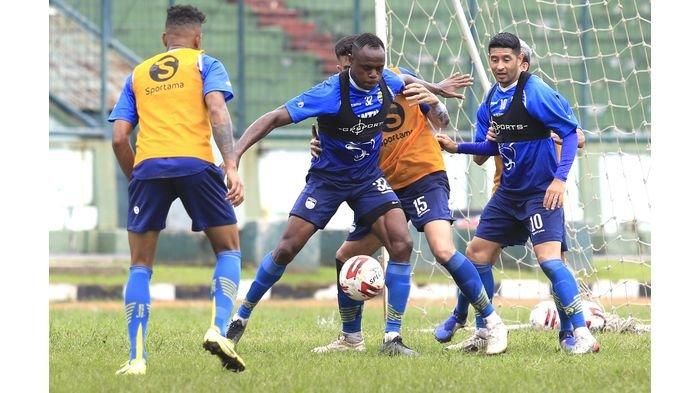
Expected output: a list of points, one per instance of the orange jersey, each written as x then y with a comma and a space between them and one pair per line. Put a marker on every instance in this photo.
173, 118
409, 149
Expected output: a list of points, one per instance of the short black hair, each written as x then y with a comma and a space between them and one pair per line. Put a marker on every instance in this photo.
344, 46
367, 39
505, 40
183, 15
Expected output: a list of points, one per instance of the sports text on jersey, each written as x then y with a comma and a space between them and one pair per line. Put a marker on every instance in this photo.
165, 87
359, 127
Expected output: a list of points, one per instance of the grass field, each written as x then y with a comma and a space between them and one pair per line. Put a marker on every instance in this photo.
88, 343
198, 275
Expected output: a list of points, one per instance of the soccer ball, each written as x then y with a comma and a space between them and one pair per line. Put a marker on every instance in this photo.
362, 278
545, 316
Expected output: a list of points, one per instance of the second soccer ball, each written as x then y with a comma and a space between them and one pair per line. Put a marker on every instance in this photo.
362, 277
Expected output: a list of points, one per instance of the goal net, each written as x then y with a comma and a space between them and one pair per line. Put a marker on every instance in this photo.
597, 54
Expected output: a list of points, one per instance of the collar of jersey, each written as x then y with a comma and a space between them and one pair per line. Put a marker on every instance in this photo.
505, 89
352, 82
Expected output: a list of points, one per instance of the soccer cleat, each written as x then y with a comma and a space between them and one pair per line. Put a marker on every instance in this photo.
218, 345
475, 343
396, 347
443, 332
585, 344
567, 340
497, 339
235, 330
133, 367
341, 345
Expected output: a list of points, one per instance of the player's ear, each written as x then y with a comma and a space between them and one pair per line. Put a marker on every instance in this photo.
162, 38
198, 41
338, 67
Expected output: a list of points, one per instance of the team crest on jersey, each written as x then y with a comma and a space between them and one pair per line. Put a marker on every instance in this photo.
380, 97
508, 155
300, 104
310, 203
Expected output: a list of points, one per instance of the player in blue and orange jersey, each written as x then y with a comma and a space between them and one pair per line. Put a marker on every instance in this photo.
412, 162
351, 108
179, 100
445, 330
522, 109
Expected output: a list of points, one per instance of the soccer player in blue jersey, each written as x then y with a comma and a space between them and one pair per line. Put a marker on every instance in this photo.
522, 109
412, 163
351, 108
179, 99
445, 330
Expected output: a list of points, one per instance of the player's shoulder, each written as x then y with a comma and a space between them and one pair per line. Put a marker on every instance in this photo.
537, 85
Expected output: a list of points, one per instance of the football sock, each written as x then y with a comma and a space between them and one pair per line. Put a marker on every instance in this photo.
486, 275
467, 279
564, 321
350, 309
398, 283
462, 308
137, 303
268, 273
565, 289
224, 287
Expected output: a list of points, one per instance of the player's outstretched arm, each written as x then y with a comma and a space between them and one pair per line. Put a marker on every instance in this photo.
222, 130
260, 128
416, 93
446, 88
122, 147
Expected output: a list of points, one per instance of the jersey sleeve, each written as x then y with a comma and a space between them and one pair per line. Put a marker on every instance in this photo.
215, 77
546, 105
125, 108
322, 99
482, 122
393, 82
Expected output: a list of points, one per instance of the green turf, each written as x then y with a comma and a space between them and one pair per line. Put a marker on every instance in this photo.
87, 346
201, 275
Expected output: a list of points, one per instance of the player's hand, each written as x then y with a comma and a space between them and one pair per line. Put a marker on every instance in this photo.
235, 187
416, 93
554, 197
315, 146
446, 143
448, 87
491, 134
556, 138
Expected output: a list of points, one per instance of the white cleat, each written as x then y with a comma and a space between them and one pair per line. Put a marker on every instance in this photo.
475, 343
341, 345
133, 367
497, 340
585, 344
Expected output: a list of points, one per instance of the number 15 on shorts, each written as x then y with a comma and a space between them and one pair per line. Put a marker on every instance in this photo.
421, 205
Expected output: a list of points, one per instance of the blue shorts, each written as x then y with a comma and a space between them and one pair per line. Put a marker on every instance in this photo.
423, 201
321, 198
511, 221
203, 195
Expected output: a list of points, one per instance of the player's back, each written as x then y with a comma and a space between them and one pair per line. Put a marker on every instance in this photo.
409, 149
173, 118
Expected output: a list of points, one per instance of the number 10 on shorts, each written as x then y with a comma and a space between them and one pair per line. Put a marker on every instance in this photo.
535, 222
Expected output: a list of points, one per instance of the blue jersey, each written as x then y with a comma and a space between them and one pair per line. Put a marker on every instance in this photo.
214, 78
529, 166
345, 157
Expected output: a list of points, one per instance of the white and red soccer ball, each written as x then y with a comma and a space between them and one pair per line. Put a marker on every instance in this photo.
545, 316
362, 278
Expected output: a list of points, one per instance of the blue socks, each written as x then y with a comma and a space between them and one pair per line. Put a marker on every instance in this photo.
486, 275
268, 273
137, 303
350, 310
467, 278
398, 283
224, 287
565, 291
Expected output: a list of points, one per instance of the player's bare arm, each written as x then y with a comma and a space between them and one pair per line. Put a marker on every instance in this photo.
579, 134
259, 129
446, 88
416, 93
122, 147
222, 130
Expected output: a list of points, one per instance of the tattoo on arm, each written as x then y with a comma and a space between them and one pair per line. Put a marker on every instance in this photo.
223, 136
438, 116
